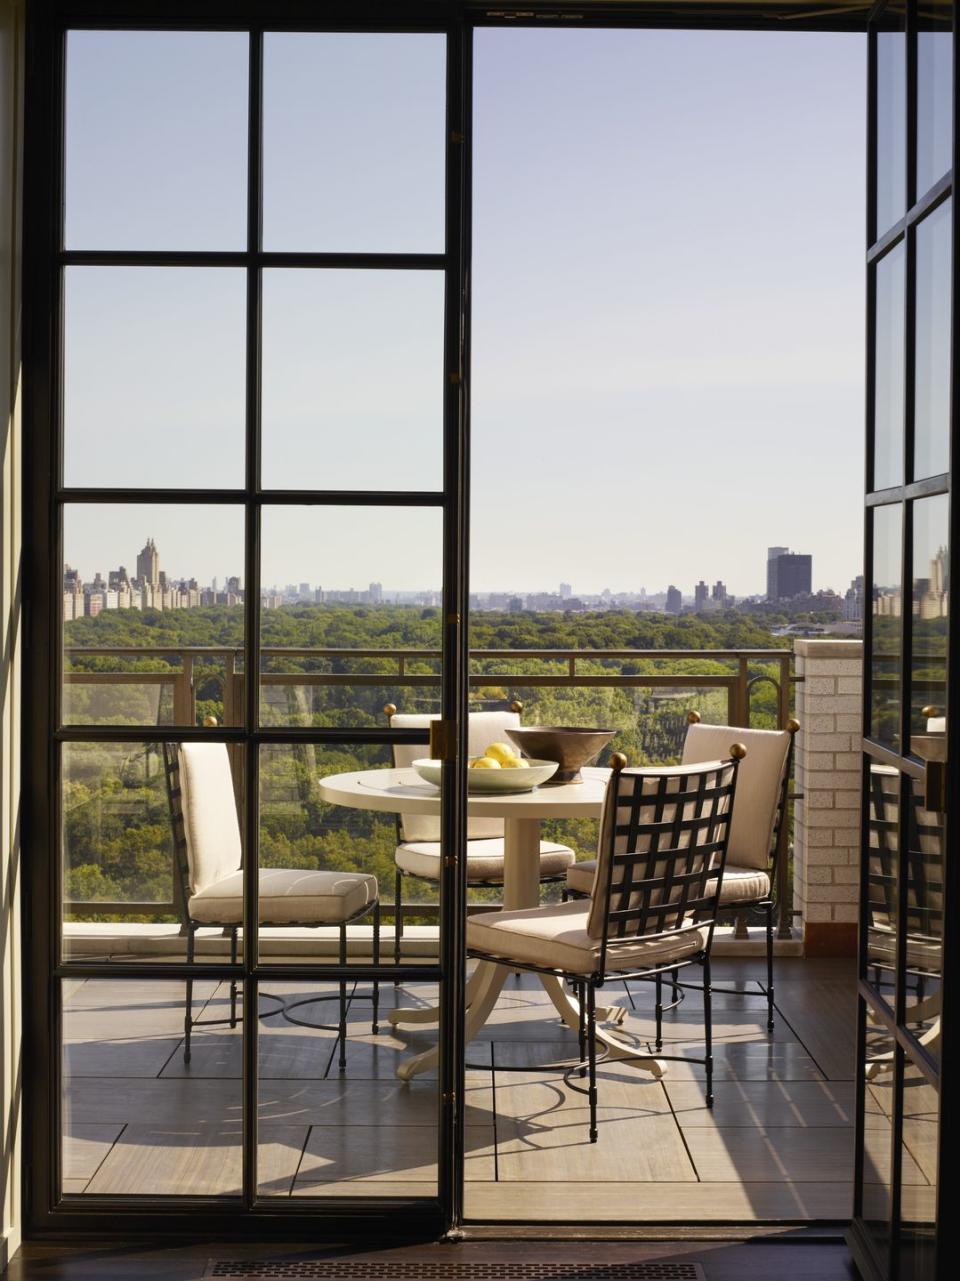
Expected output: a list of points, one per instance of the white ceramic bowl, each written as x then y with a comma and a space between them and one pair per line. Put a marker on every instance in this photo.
494, 780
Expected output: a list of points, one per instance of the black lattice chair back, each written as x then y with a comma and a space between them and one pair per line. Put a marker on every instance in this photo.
171, 767
884, 857
924, 909
663, 846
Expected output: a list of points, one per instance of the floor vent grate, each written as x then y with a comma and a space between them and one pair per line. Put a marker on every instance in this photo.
430, 1270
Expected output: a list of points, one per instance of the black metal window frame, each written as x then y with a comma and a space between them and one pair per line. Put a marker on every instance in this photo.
891, 1017
44, 260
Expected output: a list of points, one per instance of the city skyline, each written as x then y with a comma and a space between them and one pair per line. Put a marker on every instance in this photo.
151, 585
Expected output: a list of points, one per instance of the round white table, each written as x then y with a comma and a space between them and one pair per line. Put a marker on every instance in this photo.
403, 791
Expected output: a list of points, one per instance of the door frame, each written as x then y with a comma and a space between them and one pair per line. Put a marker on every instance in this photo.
43, 165
43, 733
891, 1015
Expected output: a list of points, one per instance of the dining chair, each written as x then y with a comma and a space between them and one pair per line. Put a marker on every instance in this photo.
660, 868
209, 855
418, 836
757, 830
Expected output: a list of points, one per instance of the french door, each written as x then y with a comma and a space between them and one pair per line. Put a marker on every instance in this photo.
909, 890
245, 389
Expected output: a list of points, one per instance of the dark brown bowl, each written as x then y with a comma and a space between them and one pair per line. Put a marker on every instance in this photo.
569, 745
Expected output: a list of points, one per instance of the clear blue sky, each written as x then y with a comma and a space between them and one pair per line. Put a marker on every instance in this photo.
668, 302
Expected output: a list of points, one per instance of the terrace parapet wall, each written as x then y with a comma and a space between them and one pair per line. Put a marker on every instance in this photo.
826, 842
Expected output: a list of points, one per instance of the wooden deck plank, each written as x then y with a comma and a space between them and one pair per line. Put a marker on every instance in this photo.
404, 1154
660, 1202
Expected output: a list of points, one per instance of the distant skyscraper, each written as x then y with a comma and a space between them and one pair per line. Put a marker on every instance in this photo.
701, 594
674, 600
789, 574
376, 593
566, 591
719, 593
148, 564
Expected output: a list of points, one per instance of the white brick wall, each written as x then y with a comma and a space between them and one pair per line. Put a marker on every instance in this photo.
827, 820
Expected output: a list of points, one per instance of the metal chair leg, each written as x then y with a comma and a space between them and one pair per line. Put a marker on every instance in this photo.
376, 961
659, 1011
708, 1028
188, 1012
397, 920
769, 967
233, 982
342, 1030
592, 1057
581, 996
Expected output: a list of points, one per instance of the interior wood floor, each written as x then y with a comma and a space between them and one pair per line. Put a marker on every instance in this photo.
777, 1146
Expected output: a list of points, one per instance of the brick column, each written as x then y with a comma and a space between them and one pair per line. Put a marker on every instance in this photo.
826, 839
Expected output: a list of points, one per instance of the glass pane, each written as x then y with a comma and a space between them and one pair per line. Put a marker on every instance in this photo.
932, 394
359, 1132
891, 125
343, 579
303, 840
152, 614
883, 877
156, 140
888, 379
329, 98
934, 93
353, 380
118, 845
140, 859
918, 1189
931, 597
886, 596
878, 1140
924, 921
153, 377
137, 1119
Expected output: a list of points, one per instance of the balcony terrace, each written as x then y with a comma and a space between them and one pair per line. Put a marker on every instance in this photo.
778, 1145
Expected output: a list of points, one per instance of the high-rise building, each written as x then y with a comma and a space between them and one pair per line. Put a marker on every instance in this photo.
773, 553
566, 591
376, 593
701, 594
789, 574
719, 594
674, 600
148, 564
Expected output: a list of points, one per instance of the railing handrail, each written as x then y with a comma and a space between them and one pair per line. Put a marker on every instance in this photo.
397, 651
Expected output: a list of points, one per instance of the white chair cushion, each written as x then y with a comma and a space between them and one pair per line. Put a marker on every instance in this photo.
209, 808
484, 859
759, 780
483, 728
288, 896
743, 884
556, 936
580, 876
740, 884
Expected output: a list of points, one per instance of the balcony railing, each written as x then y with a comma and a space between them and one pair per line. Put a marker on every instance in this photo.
735, 679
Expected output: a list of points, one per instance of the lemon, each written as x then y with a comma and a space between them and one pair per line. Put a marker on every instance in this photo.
484, 762
513, 762
501, 752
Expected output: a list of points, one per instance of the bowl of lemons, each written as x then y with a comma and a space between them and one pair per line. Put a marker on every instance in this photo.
499, 769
